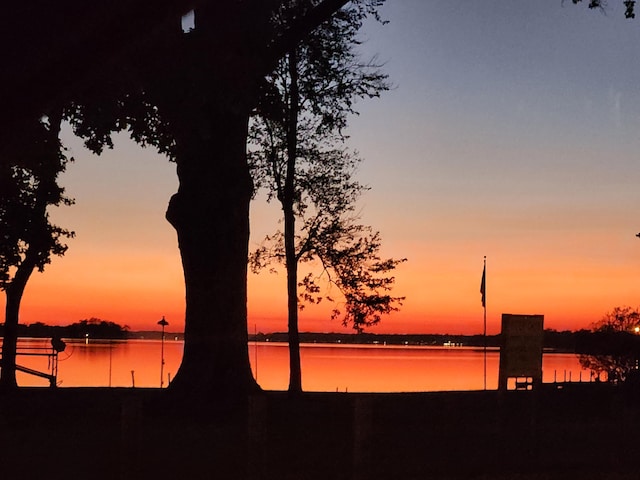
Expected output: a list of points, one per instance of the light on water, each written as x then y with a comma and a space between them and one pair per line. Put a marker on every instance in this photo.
386, 368
325, 367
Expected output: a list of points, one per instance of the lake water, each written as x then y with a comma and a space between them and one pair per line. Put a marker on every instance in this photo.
333, 367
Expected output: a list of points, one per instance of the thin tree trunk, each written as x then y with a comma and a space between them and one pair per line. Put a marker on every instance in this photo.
12, 316
295, 369
210, 213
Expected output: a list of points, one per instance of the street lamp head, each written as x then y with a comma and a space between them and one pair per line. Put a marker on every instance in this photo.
163, 322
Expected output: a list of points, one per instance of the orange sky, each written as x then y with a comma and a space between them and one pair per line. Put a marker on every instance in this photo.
126, 268
510, 132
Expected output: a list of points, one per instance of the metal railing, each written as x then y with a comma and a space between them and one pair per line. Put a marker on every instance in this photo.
51, 353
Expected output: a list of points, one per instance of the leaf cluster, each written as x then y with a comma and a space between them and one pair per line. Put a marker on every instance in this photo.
159, 79
324, 205
350, 255
96, 117
629, 5
331, 74
614, 346
28, 186
620, 319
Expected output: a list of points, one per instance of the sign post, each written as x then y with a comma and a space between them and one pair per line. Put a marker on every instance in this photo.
521, 352
163, 323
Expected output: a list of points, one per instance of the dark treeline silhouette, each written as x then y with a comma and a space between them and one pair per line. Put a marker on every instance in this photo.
93, 328
610, 343
579, 342
375, 338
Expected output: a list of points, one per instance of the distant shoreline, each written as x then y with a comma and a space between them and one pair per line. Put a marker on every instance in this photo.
581, 341
565, 341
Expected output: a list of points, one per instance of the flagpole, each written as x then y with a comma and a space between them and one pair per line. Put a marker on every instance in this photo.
484, 305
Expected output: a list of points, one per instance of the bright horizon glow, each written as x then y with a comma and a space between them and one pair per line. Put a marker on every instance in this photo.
511, 132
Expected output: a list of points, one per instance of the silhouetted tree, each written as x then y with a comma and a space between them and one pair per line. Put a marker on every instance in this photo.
191, 96
28, 186
95, 328
614, 346
629, 6
301, 159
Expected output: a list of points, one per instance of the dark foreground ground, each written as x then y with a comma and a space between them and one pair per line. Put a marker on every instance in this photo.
588, 431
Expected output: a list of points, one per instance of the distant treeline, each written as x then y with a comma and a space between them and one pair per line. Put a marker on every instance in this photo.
92, 328
376, 338
581, 341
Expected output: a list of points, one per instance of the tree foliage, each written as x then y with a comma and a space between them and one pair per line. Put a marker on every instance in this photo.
28, 187
361, 276
348, 252
614, 346
301, 159
629, 6
620, 319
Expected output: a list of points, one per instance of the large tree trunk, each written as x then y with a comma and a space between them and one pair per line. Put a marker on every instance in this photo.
210, 213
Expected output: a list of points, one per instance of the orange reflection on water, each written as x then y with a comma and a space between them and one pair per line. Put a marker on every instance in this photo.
361, 368
100, 363
384, 368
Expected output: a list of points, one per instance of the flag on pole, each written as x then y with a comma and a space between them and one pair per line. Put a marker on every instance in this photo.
483, 285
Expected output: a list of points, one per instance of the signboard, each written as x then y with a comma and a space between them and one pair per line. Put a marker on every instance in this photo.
521, 351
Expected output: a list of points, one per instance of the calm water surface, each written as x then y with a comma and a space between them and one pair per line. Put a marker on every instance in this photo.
364, 368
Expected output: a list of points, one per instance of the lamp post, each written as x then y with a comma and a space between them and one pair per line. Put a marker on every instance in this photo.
163, 323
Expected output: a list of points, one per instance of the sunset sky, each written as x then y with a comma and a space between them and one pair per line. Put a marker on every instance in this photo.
512, 131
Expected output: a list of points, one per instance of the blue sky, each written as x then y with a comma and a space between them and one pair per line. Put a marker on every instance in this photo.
511, 133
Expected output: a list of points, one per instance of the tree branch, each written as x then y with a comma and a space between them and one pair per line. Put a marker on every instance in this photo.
302, 26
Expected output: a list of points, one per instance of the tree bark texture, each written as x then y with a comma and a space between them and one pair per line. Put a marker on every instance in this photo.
210, 213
